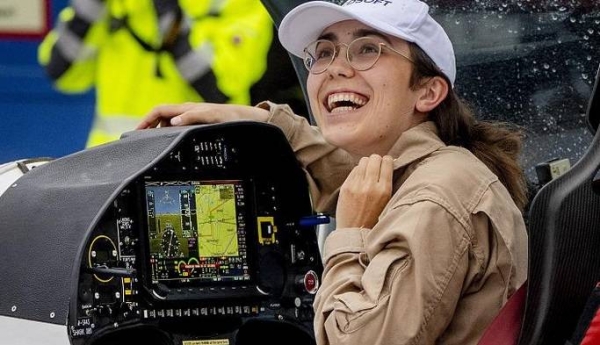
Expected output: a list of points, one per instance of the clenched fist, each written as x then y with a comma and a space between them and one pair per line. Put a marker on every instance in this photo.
365, 192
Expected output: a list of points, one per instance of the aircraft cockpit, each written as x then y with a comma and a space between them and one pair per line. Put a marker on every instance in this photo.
206, 235
193, 236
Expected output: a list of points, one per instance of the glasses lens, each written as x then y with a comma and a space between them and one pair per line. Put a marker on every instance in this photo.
363, 53
318, 56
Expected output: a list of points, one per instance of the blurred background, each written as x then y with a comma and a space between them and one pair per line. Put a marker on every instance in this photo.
530, 62
35, 120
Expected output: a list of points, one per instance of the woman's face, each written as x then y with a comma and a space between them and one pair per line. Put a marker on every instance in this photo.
364, 112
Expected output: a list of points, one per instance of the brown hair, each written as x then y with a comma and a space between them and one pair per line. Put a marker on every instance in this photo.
496, 144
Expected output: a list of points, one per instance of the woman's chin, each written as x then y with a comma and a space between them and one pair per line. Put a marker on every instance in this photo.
341, 138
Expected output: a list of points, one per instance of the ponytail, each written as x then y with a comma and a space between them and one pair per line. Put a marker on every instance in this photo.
496, 144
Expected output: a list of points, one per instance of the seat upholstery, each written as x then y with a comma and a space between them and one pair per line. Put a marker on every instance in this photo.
564, 246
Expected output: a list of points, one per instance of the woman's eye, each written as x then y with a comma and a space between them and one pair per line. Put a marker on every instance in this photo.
368, 48
324, 53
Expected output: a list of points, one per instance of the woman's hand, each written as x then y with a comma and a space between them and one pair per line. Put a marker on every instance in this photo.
200, 113
365, 192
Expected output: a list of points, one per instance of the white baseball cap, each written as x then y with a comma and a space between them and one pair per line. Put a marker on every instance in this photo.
406, 19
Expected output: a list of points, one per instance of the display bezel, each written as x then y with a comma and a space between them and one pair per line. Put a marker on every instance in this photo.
247, 214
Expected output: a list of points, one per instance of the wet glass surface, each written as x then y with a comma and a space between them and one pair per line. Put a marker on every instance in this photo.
529, 62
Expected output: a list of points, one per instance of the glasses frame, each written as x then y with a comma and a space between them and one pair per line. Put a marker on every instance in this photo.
336, 51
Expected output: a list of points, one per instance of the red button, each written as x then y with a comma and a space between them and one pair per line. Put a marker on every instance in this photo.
311, 282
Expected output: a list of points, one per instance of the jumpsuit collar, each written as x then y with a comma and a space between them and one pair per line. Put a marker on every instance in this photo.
414, 144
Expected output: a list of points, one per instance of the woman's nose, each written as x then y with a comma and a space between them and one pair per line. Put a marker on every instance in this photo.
340, 66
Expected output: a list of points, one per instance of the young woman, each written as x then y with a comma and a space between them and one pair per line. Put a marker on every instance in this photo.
430, 240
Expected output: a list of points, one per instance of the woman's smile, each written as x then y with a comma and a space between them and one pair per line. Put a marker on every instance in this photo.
340, 102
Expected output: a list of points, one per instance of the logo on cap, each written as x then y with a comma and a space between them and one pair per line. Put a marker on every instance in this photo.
374, 2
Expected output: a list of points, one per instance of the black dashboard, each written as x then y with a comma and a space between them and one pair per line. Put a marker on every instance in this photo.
206, 244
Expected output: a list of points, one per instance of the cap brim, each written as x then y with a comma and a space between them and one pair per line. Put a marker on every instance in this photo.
305, 23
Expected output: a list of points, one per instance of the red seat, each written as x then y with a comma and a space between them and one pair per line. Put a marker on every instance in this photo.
506, 327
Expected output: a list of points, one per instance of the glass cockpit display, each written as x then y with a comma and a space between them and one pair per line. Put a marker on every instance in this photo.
197, 232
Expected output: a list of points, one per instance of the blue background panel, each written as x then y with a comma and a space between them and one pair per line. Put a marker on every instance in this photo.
35, 119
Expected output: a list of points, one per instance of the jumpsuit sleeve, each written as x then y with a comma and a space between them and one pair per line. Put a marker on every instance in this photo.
398, 283
326, 166
69, 52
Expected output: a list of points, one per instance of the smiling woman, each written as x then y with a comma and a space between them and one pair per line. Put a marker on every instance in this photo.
376, 125
427, 200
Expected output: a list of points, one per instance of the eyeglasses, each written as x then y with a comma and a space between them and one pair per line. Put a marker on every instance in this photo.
361, 54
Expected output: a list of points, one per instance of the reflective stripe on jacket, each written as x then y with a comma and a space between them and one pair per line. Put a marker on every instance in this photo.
127, 51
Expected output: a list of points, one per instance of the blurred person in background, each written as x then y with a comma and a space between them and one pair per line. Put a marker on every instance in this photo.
142, 53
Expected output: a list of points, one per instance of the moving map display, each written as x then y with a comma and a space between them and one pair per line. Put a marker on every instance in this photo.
197, 232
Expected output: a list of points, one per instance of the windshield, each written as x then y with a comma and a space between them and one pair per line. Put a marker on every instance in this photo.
529, 62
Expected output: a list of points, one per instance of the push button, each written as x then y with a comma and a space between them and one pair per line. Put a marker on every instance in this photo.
311, 282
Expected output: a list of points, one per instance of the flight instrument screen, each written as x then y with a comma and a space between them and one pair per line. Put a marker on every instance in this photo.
197, 232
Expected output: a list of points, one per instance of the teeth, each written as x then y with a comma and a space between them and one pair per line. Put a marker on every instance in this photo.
341, 109
355, 99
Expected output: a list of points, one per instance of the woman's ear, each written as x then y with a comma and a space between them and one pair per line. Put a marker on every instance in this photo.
433, 92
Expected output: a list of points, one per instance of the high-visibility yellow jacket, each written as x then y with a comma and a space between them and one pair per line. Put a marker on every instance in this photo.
142, 53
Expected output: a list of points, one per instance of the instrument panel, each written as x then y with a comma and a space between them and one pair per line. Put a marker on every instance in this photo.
203, 243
